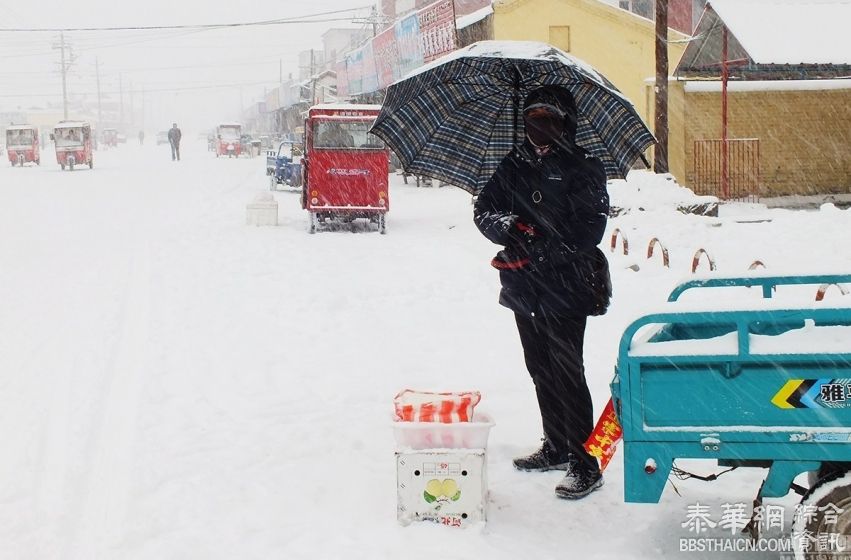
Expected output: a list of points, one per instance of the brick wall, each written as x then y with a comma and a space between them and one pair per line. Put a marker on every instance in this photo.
805, 136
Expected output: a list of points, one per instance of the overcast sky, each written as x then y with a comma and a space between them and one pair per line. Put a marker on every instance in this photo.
180, 70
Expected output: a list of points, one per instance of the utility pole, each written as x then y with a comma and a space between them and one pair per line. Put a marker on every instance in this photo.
120, 101
65, 62
660, 159
312, 80
97, 75
132, 112
373, 16
64, 79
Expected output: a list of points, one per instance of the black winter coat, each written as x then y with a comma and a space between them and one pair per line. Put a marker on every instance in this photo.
563, 197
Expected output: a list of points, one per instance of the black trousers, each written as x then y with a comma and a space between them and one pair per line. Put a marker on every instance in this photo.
553, 347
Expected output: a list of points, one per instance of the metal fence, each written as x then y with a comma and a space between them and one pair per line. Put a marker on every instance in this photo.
741, 180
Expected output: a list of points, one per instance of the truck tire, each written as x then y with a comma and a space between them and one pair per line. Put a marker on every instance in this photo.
824, 510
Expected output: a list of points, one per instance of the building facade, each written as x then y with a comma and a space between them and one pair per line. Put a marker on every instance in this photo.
618, 43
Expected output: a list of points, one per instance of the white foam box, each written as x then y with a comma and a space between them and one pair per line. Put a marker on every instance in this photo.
262, 211
448, 487
433, 435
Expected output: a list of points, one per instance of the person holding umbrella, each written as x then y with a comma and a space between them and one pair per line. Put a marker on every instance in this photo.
547, 205
533, 133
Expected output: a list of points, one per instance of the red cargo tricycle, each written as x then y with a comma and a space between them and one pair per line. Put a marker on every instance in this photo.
344, 167
228, 140
73, 141
22, 144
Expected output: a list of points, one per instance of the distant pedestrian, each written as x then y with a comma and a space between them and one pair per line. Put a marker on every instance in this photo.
141, 137
174, 139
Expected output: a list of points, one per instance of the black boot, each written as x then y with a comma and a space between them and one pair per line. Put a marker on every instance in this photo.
544, 459
580, 480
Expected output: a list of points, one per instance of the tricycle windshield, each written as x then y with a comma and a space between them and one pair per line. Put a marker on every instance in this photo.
290, 151
229, 133
286, 151
67, 137
19, 137
345, 134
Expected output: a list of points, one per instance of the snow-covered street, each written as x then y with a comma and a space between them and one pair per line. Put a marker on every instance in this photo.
175, 384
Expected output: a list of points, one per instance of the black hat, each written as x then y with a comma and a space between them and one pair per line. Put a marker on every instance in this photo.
549, 97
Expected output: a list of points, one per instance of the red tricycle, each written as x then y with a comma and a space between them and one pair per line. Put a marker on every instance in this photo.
22, 144
344, 167
73, 141
110, 137
228, 139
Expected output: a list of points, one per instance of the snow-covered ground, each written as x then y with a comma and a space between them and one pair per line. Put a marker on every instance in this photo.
175, 384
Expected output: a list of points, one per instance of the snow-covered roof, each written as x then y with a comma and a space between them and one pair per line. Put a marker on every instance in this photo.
229, 124
772, 32
790, 31
71, 124
474, 17
346, 106
697, 86
20, 127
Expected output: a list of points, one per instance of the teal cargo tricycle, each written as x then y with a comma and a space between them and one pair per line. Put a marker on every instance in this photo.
763, 384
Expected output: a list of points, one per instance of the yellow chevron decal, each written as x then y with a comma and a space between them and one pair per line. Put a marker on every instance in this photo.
780, 400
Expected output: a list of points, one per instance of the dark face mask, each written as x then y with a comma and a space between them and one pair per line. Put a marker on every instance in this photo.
544, 129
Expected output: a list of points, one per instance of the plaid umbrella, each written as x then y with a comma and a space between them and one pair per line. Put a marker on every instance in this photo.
456, 118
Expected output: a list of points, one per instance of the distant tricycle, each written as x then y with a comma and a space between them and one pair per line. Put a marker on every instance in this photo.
22, 144
73, 141
284, 166
227, 142
110, 137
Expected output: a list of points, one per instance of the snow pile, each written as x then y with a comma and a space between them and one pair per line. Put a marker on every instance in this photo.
644, 191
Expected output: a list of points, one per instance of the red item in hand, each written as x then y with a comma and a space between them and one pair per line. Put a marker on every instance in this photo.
528, 230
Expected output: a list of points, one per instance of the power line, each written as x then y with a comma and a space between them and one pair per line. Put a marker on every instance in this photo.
114, 72
282, 21
162, 90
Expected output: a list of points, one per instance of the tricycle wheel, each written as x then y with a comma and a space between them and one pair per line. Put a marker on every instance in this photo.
91, 163
273, 184
62, 165
38, 161
311, 228
825, 511
382, 224
70, 166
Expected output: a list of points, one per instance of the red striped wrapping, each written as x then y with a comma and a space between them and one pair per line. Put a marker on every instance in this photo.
446, 408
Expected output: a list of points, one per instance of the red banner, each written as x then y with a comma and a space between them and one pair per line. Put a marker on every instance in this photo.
603, 441
386, 57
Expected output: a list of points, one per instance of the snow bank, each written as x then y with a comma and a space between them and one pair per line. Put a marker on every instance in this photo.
644, 190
